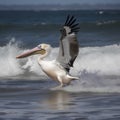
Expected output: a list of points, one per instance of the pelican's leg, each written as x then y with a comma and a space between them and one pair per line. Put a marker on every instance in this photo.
57, 88
60, 86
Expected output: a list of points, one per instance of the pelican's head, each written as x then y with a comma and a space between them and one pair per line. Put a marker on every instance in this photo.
40, 49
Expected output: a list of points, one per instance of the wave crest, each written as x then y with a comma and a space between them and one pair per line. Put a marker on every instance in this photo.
100, 60
9, 66
97, 67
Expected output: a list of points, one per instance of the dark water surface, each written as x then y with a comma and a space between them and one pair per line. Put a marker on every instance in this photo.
32, 100
96, 27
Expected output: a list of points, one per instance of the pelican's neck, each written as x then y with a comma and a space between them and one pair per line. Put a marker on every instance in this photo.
43, 56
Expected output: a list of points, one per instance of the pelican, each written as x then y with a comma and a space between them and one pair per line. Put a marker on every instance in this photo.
59, 68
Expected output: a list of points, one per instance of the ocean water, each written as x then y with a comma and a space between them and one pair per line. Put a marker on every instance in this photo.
25, 90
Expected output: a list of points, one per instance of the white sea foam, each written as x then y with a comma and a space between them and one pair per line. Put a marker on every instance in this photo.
9, 66
89, 82
106, 22
97, 67
103, 60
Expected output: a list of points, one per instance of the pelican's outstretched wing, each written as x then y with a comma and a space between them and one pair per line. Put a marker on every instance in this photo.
69, 47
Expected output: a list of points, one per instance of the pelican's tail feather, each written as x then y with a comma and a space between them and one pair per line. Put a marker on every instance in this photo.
73, 78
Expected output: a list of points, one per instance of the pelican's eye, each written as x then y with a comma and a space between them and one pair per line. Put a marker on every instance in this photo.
39, 46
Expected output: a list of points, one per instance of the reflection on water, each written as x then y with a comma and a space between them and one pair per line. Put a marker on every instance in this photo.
59, 100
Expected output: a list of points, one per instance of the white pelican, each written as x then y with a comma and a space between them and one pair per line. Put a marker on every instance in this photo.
58, 69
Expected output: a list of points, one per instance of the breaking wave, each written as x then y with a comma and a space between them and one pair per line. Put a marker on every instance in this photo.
97, 67
101, 60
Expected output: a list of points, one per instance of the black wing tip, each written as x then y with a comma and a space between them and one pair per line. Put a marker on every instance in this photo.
71, 22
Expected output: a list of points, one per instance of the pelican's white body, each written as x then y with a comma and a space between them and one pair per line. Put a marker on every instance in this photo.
54, 70
58, 69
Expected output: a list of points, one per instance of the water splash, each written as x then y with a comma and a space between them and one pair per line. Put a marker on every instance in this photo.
9, 66
99, 60
97, 67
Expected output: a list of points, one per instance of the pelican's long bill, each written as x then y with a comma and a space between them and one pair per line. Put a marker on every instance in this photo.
36, 50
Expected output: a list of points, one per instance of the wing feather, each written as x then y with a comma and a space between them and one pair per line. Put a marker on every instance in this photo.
69, 47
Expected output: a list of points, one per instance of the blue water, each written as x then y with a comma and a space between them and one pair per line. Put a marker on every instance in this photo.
97, 27
25, 90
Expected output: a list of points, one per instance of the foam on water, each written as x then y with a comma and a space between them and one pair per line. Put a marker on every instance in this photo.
97, 67
9, 66
102, 60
